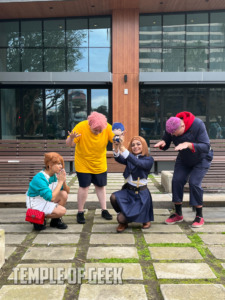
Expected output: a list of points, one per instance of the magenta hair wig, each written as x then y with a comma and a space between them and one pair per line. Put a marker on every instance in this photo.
97, 121
173, 124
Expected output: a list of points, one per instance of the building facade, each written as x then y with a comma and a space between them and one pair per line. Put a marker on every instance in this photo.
137, 62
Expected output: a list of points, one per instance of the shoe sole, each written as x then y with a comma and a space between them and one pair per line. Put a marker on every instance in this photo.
196, 226
171, 223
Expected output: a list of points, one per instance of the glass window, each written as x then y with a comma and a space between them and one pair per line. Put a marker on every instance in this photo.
54, 60
77, 32
197, 30
99, 60
9, 114
55, 113
32, 60
174, 30
100, 101
31, 34
77, 59
217, 29
9, 34
197, 60
173, 60
32, 113
150, 59
217, 59
54, 33
9, 60
150, 32
99, 32
77, 107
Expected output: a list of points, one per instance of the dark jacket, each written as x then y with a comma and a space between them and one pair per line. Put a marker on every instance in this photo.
197, 135
137, 167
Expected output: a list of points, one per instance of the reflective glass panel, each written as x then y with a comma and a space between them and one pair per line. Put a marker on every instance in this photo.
31, 34
77, 59
197, 60
9, 60
150, 59
54, 33
99, 32
99, 60
150, 31
32, 60
174, 30
77, 107
9, 114
9, 34
196, 101
217, 29
217, 59
173, 60
55, 113
54, 60
32, 113
100, 101
197, 30
77, 32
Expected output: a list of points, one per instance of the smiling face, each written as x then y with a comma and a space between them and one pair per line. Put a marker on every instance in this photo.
136, 147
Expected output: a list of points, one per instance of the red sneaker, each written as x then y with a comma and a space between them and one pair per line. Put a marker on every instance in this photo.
175, 218
198, 222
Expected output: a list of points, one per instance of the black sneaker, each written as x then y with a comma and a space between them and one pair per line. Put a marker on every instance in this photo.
80, 218
106, 215
39, 227
58, 223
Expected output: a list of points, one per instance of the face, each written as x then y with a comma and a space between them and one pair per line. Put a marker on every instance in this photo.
136, 147
56, 168
180, 130
96, 131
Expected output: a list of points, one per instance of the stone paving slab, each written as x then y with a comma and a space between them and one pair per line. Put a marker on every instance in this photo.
28, 292
63, 266
170, 238
159, 219
17, 227
161, 211
183, 271
217, 251
112, 292
111, 211
112, 239
56, 239
216, 214
12, 219
70, 229
213, 239
174, 253
163, 228
9, 251
99, 219
14, 238
71, 212
131, 271
50, 253
192, 291
107, 228
112, 252
12, 210
210, 228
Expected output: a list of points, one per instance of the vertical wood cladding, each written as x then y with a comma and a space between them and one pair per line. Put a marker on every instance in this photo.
125, 56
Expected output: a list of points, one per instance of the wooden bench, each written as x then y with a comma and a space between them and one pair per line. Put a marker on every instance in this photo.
214, 180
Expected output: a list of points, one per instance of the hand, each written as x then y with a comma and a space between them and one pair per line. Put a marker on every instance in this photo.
61, 176
160, 144
116, 146
184, 145
73, 135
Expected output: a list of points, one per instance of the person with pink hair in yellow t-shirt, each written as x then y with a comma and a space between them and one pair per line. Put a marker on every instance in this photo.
91, 138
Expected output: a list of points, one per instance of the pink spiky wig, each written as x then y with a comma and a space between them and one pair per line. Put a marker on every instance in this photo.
97, 121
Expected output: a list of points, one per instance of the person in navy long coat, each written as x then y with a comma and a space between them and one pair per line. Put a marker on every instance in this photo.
191, 140
133, 202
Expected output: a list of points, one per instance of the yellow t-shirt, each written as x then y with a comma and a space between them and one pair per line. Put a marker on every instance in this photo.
90, 152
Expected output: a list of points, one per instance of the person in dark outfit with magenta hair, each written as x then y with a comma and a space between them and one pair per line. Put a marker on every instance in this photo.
191, 140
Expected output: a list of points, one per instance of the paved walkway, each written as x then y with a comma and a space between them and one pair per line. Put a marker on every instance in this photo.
92, 261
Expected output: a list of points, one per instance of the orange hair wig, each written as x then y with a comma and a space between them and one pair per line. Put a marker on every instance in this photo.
143, 142
52, 158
